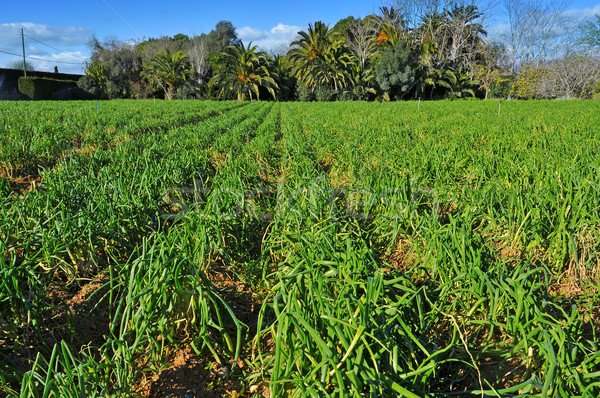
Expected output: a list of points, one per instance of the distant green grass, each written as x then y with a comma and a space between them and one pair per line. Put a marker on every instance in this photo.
393, 249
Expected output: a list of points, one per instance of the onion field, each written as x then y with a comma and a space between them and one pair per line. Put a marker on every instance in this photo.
191, 248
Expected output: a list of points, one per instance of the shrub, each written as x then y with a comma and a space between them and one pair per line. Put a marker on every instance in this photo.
90, 85
39, 88
113, 91
304, 93
186, 90
324, 94
395, 71
346, 96
596, 94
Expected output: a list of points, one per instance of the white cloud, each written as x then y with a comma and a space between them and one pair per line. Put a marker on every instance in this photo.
53, 35
69, 44
275, 39
250, 34
498, 30
584, 13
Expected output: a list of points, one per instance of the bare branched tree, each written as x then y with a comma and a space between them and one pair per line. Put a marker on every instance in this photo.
360, 38
18, 64
200, 59
535, 30
574, 76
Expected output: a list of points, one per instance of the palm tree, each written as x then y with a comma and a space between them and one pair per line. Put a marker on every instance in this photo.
281, 71
320, 60
461, 84
433, 78
430, 69
168, 70
242, 71
393, 27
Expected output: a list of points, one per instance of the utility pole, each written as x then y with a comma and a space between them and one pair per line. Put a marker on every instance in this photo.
24, 62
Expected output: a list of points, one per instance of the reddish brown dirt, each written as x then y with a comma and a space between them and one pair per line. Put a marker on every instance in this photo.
402, 258
90, 312
78, 315
22, 182
238, 295
501, 374
191, 375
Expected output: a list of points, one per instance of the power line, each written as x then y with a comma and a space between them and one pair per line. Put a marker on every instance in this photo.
22, 34
56, 62
121, 18
54, 48
41, 59
9, 53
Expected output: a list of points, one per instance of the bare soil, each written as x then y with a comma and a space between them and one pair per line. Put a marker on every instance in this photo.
191, 375
21, 181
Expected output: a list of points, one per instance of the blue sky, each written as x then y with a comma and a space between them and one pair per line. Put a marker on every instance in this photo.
62, 27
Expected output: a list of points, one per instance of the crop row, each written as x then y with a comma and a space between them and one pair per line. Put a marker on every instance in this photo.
433, 249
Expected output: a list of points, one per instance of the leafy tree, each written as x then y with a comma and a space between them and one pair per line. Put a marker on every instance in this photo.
341, 27
88, 84
123, 67
94, 80
221, 37
96, 70
590, 33
395, 71
150, 47
18, 64
181, 38
528, 81
168, 70
242, 71
491, 68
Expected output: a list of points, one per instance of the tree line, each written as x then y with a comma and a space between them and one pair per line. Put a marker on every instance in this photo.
413, 49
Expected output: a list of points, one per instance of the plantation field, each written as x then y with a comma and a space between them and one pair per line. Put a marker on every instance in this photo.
299, 249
